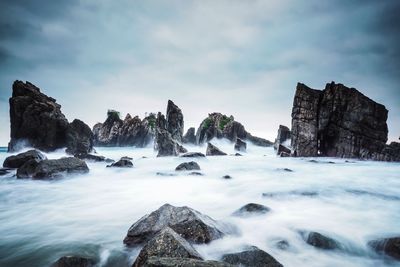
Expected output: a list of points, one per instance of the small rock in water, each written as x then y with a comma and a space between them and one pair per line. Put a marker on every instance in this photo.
214, 151
227, 177
73, 261
193, 155
388, 246
282, 244
252, 256
188, 166
251, 209
240, 145
196, 174
4, 171
124, 162
18, 160
90, 157
238, 154
318, 240
285, 169
165, 174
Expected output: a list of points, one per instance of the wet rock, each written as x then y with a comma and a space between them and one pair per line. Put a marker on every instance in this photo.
282, 244
91, 157
193, 155
18, 160
285, 169
79, 138
74, 261
388, 246
318, 240
284, 135
188, 166
240, 145
4, 171
284, 155
227, 177
214, 151
124, 162
174, 123
167, 243
190, 136
258, 141
238, 154
165, 174
283, 151
188, 223
182, 262
196, 174
251, 209
252, 256
51, 168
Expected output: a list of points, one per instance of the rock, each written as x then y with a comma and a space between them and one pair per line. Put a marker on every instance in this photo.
190, 136
36, 119
91, 157
124, 162
182, 262
227, 177
318, 240
193, 155
74, 261
165, 174
284, 169
238, 154
196, 174
284, 155
167, 243
240, 145
164, 142
284, 135
188, 223
187, 166
51, 168
251, 257
282, 244
338, 122
214, 151
283, 150
174, 119
251, 209
79, 138
259, 141
4, 171
388, 246
18, 160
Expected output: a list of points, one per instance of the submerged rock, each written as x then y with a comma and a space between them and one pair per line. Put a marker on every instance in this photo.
251, 257
240, 145
214, 151
190, 136
251, 209
187, 166
388, 246
74, 261
51, 168
196, 174
167, 243
18, 160
284, 135
174, 119
227, 177
79, 138
182, 262
318, 240
193, 155
282, 244
190, 224
124, 162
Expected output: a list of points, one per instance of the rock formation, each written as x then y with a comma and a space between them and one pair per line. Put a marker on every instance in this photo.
187, 262
74, 261
164, 143
79, 138
283, 136
339, 122
388, 246
251, 209
17, 161
214, 151
240, 145
174, 121
190, 136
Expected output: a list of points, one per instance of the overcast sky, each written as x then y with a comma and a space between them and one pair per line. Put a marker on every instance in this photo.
238, 57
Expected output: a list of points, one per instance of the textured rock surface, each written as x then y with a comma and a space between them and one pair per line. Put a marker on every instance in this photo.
164, 142
320, 241
73, 261
283, 136
190, 224
182, 262
167, 243
283, 151
193, 155
174, 119
190, 136
251, 209
214, 151
122, 163
388, 246
240, 145
18, 160
188, 166
79, 138
251, 257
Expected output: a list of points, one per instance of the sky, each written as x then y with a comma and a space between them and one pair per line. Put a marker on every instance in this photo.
242, 58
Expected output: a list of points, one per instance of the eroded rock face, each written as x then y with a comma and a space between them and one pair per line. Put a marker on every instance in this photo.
79, 138
188, 223
18, 160
338, 122
214, 151
283, 136
73, 261
388, 246
252, 256
174, 119
190, 136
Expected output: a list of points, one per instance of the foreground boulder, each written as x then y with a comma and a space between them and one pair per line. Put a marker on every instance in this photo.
190, 224
188, 166
174, 119
251, 209
51, 168
338, 122
251, 257
73, 261
182, 262
214, 151
318, 240
240, 145
284, 136
387, 246
17, 161
190, 136
79, 138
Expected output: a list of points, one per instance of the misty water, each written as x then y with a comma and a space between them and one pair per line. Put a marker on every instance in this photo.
351, 201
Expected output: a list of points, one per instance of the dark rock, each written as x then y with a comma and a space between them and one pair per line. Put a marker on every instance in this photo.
124, 162
187, 166
79, 138
73, 261
253, 256
240, 145
388, 246
193, 155
292, 193
251, 209
227, 177
165, 174
258, 141
284, 155
283, 150
164, 142
283, 244
238, 154
17, 161
174, 119
284, 135
196, 174
167, 243
182, 262
190, 136
320, 241
91, 157
51, 168
4, 171
190, 224
214, 151
285, 169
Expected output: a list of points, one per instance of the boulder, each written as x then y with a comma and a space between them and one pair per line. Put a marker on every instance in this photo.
18, 160
251, 209
74, 261
188, 166
51, 168
174, 119
190, 136
251, 257
79, 138
284, 135
387, 246
167, 243
122, 163
182, 262
240, 145
320, 241
214, 151
193, 155
190, 224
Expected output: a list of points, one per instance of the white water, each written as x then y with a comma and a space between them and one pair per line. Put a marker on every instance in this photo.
90, 214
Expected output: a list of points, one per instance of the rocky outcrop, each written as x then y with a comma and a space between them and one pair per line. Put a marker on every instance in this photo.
339, 122
190, 136
284, 135
214, 151
164, 143
240, 145
188, 166
182, 262
188, 223
217, 125
174, 121
252, 256
79, 138
18, 160
74, 261
387, 246
51, 168
318, 240
251, 209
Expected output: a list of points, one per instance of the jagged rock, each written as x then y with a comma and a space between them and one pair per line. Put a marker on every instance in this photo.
182, 262
74, 261
283, 150
193, 155
124, 162
18, 160
240, 145
79, 138
284, 135
187, 166
36, 119
164, 142
190, 136
174, 119
214, 151
318, 240
190, 224
51, 168
338, 122
251, 209
388, 246
251, 257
